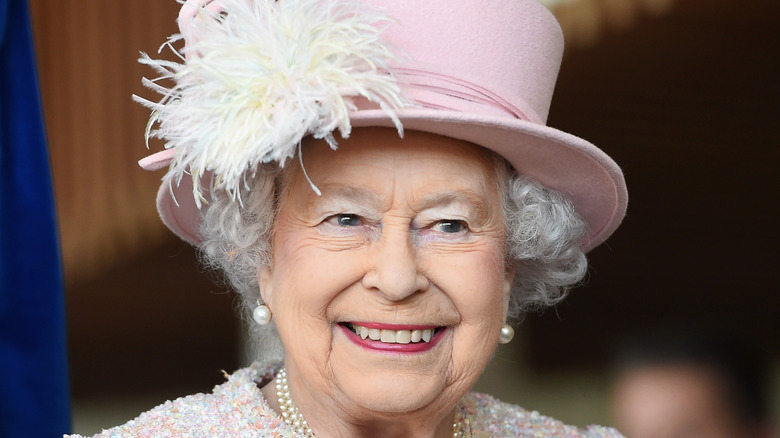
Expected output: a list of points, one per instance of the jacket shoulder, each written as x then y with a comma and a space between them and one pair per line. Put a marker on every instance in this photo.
491, 417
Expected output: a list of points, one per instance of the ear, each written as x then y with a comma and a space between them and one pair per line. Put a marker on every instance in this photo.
509, 278
264, 277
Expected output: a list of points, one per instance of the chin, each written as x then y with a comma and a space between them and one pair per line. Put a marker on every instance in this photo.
395, 393
391, 382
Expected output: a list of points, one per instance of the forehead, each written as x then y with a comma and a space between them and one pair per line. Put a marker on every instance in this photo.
376, 158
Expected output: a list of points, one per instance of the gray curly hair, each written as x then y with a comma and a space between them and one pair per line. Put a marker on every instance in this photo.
541, 227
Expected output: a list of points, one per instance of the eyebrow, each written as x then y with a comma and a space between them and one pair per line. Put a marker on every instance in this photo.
467, 197
368, 197
339, 191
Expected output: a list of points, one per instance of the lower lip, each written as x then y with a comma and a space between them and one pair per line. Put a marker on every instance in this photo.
369, 344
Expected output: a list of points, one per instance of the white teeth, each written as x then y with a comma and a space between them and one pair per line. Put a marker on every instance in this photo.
388, 336
393, 336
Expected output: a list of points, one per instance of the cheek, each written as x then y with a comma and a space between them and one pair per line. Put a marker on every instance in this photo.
299, 293
474, 281
306, 277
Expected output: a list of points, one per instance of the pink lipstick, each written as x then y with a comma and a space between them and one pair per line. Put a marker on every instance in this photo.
393, 338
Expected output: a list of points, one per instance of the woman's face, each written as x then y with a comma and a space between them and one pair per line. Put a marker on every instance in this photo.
405, 244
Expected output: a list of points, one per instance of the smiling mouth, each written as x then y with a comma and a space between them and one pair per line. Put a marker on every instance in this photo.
389, 336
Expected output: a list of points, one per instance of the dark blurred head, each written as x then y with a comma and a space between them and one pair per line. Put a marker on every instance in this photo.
677, 385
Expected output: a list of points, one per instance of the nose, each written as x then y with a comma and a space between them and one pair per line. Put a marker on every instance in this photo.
395, 271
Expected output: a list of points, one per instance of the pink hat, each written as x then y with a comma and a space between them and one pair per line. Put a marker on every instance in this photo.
478, 71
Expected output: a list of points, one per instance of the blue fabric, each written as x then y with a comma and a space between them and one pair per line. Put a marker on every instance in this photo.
34, 396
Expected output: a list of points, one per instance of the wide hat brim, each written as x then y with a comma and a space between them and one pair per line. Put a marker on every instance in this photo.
485, 75
587, 176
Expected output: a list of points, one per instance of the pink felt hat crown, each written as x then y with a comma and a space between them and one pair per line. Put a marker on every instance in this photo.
478, 71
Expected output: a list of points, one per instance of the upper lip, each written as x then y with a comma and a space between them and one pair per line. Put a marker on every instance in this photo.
386, 326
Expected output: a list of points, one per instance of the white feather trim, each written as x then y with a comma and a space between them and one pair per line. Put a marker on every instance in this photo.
261, 77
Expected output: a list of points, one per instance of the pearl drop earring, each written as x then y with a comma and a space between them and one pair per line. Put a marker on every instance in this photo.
507, 333
262, 314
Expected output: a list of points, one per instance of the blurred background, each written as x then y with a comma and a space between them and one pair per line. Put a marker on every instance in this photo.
683, 94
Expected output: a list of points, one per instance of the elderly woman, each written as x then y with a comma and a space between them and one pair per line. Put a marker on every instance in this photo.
380, 277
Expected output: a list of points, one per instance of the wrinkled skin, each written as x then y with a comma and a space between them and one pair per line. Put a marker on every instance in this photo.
406, 232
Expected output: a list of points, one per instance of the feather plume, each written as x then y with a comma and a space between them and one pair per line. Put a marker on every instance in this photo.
260, 76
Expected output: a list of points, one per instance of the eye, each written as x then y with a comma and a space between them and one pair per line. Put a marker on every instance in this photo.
345, 220
451, 226
348, 225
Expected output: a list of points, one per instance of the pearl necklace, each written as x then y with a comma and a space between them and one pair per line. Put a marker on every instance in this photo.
290, 412
293, 417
